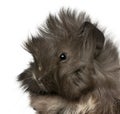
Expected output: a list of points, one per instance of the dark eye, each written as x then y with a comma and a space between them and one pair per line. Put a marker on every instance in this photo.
63, 56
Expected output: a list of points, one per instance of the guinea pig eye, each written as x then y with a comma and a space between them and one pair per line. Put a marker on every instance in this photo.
63, 56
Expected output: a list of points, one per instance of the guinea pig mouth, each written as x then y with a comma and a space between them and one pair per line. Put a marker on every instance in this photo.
43, 89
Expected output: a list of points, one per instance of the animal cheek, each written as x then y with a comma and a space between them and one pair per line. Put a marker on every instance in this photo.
68, 89
74, 86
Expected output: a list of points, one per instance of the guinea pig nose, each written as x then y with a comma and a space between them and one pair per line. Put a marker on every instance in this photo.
40, 78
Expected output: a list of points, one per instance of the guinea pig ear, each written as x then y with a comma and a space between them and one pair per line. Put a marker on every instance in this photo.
94, 38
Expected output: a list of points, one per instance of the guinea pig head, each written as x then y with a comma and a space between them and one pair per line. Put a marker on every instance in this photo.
63, 64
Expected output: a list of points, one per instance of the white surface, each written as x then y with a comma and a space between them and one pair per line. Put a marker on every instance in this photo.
19, 18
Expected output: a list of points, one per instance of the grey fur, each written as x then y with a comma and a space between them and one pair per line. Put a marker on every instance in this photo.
87, 81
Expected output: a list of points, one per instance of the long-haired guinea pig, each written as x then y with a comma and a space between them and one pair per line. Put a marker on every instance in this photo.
75, 69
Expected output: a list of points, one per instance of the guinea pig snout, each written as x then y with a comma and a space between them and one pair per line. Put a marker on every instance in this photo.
41, 75
40, 79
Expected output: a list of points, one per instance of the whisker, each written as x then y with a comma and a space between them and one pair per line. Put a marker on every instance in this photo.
28, 78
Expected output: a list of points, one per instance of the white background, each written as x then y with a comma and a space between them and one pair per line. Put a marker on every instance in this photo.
20, 18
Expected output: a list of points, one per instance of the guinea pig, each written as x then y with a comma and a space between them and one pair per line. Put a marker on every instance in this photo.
75, 68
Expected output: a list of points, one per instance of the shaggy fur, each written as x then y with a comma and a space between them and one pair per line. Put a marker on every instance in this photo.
76, 69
